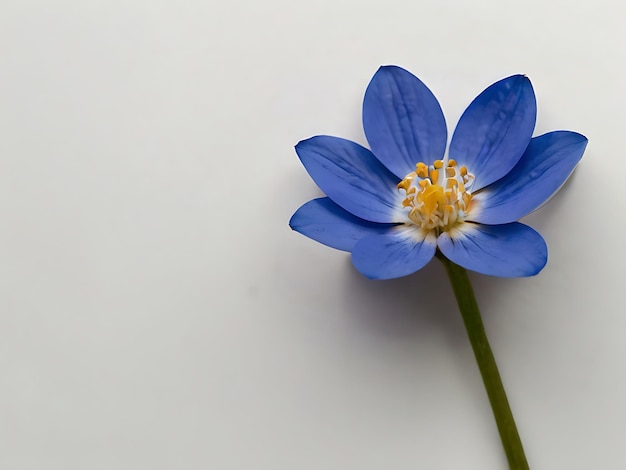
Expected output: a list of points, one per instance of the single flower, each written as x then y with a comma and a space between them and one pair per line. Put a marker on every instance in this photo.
393, 207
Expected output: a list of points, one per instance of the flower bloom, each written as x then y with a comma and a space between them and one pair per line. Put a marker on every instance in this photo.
393, 207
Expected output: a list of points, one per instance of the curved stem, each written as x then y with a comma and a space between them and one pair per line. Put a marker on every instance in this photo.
487, 365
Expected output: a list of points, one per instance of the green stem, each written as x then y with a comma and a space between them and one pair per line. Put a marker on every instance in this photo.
487, 365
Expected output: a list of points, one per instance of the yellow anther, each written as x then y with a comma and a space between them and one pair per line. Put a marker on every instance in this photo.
411, 190
404, 184
434, 176
463, 171
422, 170
451, 163
451, 183
438, 164
407, 202
433, 197
424, 183
450, 172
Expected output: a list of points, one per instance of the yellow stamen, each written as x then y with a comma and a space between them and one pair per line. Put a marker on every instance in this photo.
434, 176
404, 184
435, 205
422, 170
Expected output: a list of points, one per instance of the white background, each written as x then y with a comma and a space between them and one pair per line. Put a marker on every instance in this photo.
156, 311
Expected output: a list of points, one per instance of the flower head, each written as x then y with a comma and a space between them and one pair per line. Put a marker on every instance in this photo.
393, 207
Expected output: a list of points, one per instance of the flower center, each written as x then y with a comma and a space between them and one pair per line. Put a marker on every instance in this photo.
437, 198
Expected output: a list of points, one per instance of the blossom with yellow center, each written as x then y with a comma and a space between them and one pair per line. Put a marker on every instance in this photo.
395, 206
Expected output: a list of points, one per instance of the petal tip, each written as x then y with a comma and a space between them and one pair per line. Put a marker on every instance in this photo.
392, 72
292, 222
519, 82
582, 139
518, 79
304, 142
392, 68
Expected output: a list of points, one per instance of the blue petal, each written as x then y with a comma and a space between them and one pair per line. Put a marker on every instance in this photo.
324, 221
400, 252
510, 250
542, 170
352, 177
495, 129
403, 121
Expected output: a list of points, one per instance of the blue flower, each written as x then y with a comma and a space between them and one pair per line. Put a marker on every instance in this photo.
393, 207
